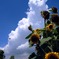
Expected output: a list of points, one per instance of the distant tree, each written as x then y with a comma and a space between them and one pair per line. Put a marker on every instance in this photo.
2, 56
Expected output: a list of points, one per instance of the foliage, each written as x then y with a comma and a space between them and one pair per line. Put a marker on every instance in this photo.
2, 56
12, 57
46, 40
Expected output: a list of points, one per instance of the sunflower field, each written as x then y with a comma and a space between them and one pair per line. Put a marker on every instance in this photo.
46, 40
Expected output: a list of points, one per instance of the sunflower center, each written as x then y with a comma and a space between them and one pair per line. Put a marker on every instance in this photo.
50, 26
35, 38
53, 57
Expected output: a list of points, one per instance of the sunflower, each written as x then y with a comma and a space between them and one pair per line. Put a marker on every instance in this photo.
45, 14
50, 27
35, 38
54, 9
55, 19
52, 55
38, 31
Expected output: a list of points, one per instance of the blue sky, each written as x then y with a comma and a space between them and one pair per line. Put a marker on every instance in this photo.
11, 11
54, 3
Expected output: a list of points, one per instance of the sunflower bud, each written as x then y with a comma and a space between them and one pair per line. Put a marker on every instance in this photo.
45, 14
30, 28
54, 10
55, 19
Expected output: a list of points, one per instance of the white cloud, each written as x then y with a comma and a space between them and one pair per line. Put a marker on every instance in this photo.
17, 44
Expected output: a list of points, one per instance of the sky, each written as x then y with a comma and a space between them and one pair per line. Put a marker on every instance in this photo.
15, 17
11, 11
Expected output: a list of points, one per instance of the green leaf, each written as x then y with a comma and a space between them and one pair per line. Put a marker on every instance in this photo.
45, 47
32, 55
44, 40
55, 31
28, 36
39, 57
30, 44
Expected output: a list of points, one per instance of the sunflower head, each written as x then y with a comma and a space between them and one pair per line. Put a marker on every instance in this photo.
50, 27
55, 19
54, 10
52, 55
35, 38
38, 31
45, 14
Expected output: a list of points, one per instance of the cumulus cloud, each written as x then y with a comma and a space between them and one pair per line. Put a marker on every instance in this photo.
17, 44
